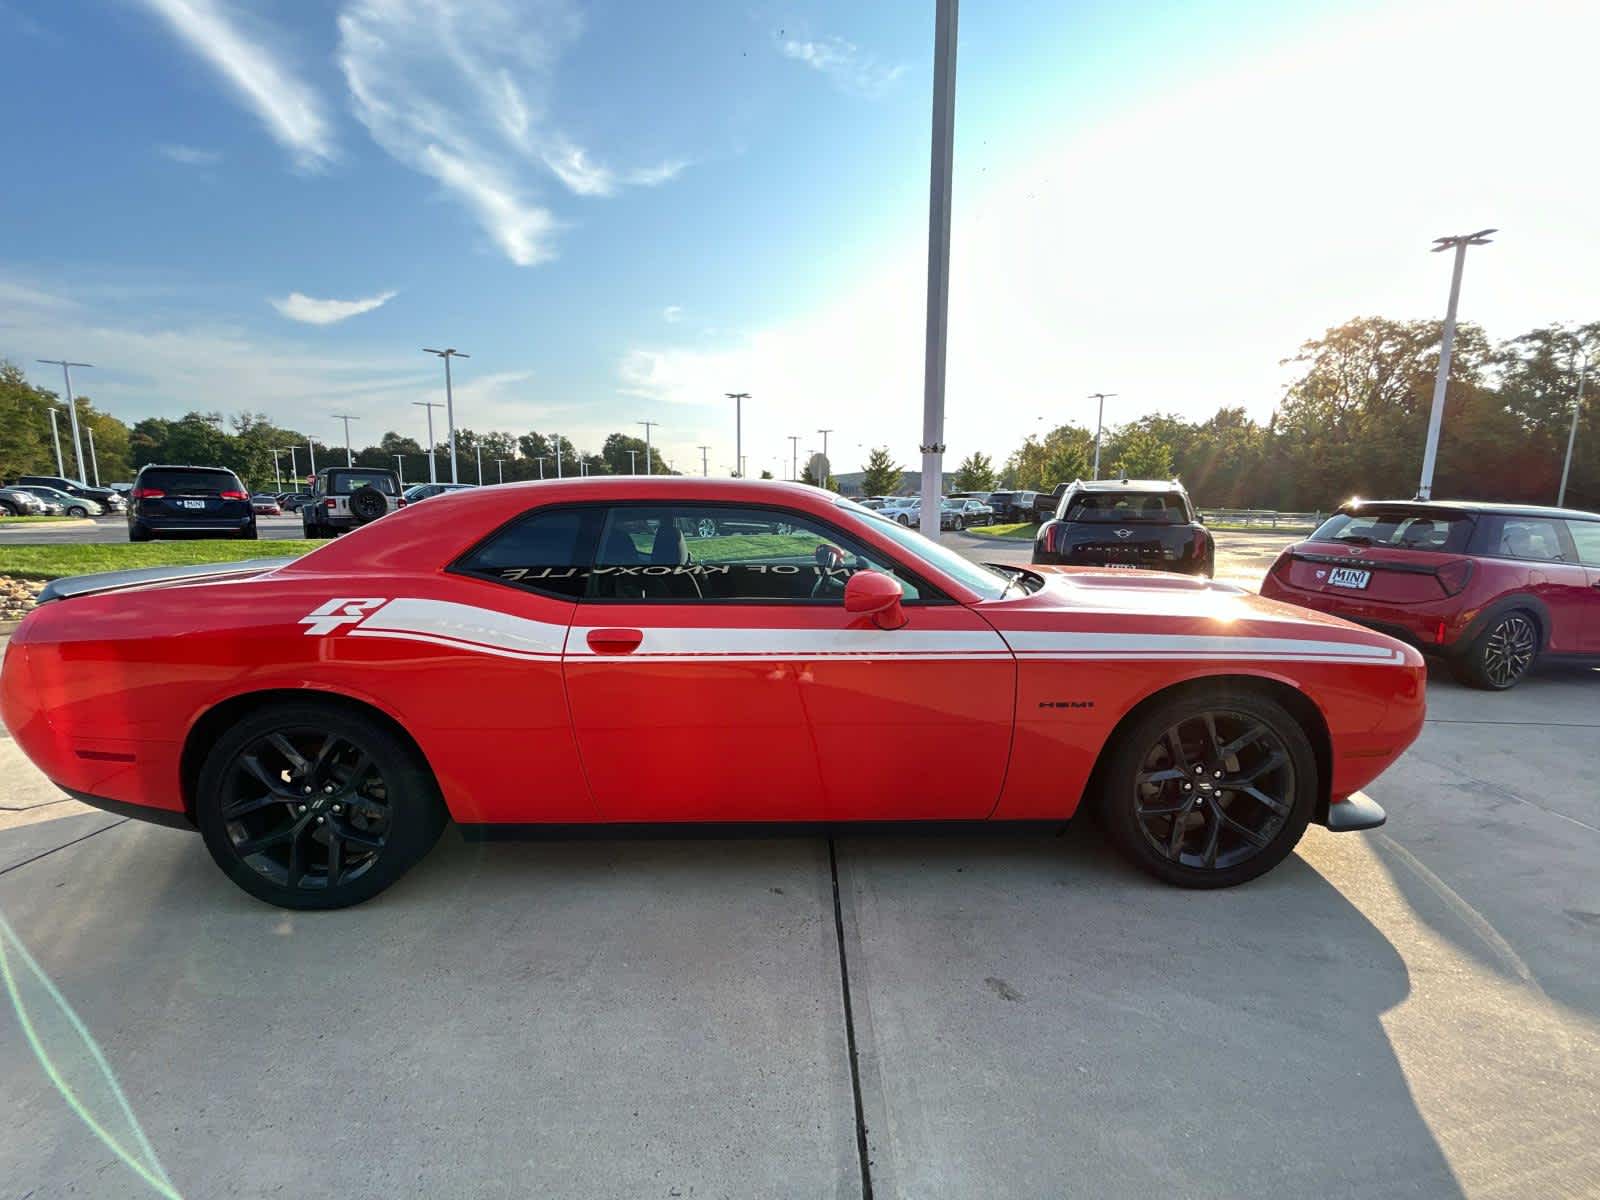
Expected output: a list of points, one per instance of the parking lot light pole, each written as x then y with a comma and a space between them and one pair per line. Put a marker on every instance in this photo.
94, 459
940, 169
349, 456
1430, 453
72, 409
1572, 434
430, 405
277, 475
294, 467
400, 470
633, 462
55, 436
541, 459
557, 440
479, 448
705, 467
648, 426
500, 466
738, 399
311, 449
794, 457
1099, 422
449, 401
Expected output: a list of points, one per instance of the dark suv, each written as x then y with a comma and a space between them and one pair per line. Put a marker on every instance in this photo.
107, 499
1490, 587
1149, 523
345, 497
170, 500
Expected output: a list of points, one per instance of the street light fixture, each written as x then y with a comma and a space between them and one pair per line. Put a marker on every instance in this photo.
940, 170
541, 459
349, 457
430, 405
449, 401
1430, 453
648, 426
1099, 423
1572, 434
66, 366
738, 399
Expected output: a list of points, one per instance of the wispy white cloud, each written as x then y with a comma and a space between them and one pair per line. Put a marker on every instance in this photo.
463, 97
297, 306
189, 156
290, 108
845, 63
672, 313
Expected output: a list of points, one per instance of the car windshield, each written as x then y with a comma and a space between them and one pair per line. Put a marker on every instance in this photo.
349, 481
1440, 530
1155, 508
196, 483
987, 582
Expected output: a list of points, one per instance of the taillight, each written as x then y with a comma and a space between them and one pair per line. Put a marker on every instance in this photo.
1199, 551
400, 503
1455, 576
148, 493
1280, 567
235, 495
1438, 632
329, 503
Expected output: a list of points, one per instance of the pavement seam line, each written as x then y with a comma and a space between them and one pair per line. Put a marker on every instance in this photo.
850, 1028
63, 846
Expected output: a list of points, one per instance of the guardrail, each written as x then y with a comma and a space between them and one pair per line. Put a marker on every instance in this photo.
1262, 518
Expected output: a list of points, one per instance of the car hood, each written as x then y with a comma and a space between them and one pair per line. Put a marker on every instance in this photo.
1118, 603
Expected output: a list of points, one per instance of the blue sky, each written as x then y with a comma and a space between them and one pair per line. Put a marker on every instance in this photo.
622, 210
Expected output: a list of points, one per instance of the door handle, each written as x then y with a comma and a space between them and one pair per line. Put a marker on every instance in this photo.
615, 641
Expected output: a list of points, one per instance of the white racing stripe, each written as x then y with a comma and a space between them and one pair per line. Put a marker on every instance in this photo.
768, 643
487, 631
465, 626
1050, 644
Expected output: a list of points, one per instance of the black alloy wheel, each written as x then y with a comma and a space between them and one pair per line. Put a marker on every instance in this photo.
1501, 655
1210, 790
313, 806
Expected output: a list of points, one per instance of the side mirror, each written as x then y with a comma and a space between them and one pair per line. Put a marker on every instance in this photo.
874, 594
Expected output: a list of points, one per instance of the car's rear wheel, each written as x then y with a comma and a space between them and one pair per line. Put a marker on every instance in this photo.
139, 533
310, 806
1501, 655
1209, 790
250, 534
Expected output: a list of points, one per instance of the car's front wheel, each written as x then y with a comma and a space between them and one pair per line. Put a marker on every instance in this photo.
1500, 656
1209, 789
308, 806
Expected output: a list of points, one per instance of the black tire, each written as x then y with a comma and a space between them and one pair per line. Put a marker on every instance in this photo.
139, 533
250, 534
77, 510
1170, 826
387, 819
1502, 654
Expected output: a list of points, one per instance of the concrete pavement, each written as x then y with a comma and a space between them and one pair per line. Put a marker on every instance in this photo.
1409, 1012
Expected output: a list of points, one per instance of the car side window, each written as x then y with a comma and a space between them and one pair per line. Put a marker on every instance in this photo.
1587, 536
712, 553
1534, 538
543, 551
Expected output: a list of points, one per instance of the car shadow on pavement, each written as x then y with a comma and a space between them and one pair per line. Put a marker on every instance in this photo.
1036, 1018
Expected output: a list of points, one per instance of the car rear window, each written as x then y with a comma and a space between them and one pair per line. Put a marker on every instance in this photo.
1402, 529
1156, 508
348, 481
198, 482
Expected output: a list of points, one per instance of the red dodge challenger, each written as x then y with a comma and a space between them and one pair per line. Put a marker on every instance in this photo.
640, 651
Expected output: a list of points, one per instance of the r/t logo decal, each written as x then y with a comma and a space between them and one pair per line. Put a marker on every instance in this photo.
335, 613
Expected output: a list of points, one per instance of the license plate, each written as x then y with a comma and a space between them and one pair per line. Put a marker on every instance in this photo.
1348, 577
193, 503
1120, 566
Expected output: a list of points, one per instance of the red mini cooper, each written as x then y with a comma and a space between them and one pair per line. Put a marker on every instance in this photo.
1492, 587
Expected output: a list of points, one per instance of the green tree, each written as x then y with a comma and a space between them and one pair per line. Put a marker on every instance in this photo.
765, 474
975, 474
1140, 454
882, 476
830, 483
